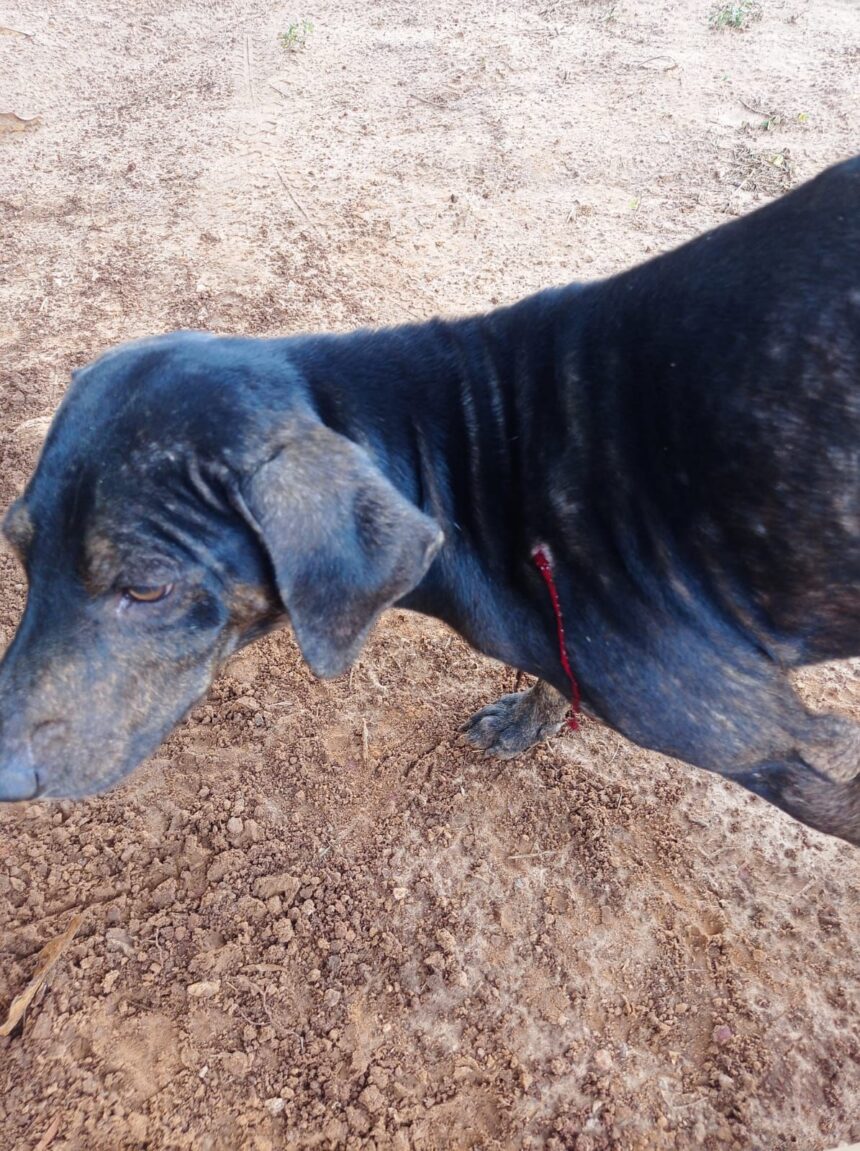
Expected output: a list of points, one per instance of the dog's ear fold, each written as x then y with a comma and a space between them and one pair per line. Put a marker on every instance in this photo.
343, 542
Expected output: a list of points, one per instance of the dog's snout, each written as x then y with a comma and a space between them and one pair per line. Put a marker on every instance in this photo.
27, 748
18, 780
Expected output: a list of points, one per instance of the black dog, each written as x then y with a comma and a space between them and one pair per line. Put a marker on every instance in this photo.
646, 490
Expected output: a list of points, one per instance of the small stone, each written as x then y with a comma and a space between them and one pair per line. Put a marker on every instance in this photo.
379, 1077
284, 931
721, 1034
43, 1028
205, 989
119, 939
250, 908
314, 975
336, 1132
331, 997
236, 1064
235, 827
287, 886
373, 1099
446, 940
399, 893
603, 1059
358, 1120
275, 1105
137, 1126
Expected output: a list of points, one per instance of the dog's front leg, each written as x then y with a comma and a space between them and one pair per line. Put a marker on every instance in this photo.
517, 721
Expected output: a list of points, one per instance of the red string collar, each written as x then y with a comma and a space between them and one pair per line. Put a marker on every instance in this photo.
543, 562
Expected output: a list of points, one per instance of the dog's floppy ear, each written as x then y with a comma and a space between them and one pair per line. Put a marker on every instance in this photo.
343, 542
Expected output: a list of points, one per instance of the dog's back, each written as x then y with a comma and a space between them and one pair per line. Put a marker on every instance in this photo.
741, 400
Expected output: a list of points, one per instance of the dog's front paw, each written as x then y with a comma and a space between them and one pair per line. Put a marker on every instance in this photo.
516, 722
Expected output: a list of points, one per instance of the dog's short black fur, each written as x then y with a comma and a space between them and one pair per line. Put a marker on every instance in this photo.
683, 440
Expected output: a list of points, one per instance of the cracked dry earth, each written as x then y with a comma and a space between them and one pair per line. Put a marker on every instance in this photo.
314, 920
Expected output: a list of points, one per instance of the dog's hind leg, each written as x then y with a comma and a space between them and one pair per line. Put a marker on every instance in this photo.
818, 783
725, 706
517, 721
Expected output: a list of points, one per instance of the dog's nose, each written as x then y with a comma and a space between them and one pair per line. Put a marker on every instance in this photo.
17, 781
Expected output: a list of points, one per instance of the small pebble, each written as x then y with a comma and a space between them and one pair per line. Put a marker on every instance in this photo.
205, 989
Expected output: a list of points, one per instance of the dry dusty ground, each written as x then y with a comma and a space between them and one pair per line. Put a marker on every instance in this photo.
313, 920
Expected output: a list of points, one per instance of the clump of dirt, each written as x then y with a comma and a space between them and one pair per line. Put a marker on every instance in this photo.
314, 919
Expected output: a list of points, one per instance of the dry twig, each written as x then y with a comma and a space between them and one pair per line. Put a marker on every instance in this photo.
48, 956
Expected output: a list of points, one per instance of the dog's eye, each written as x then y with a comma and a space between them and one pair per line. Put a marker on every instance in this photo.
148, 594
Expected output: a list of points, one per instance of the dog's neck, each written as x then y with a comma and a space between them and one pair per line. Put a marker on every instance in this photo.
468, 419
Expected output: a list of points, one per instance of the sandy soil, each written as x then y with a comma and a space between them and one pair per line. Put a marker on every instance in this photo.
313, 920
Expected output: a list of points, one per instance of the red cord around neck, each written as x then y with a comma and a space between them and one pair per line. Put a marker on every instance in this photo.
544, 566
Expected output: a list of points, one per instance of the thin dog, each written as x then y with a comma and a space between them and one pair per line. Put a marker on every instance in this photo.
644, 491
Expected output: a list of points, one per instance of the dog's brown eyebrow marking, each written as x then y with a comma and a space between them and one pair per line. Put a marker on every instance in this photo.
108, 558
101, 561
248, 602
18, 527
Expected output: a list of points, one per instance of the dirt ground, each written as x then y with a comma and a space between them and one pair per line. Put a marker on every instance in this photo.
313, 920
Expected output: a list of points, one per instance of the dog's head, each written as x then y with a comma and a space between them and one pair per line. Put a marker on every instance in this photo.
187, 500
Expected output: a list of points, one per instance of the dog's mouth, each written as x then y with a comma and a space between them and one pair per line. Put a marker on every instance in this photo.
43, 789
20, 786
